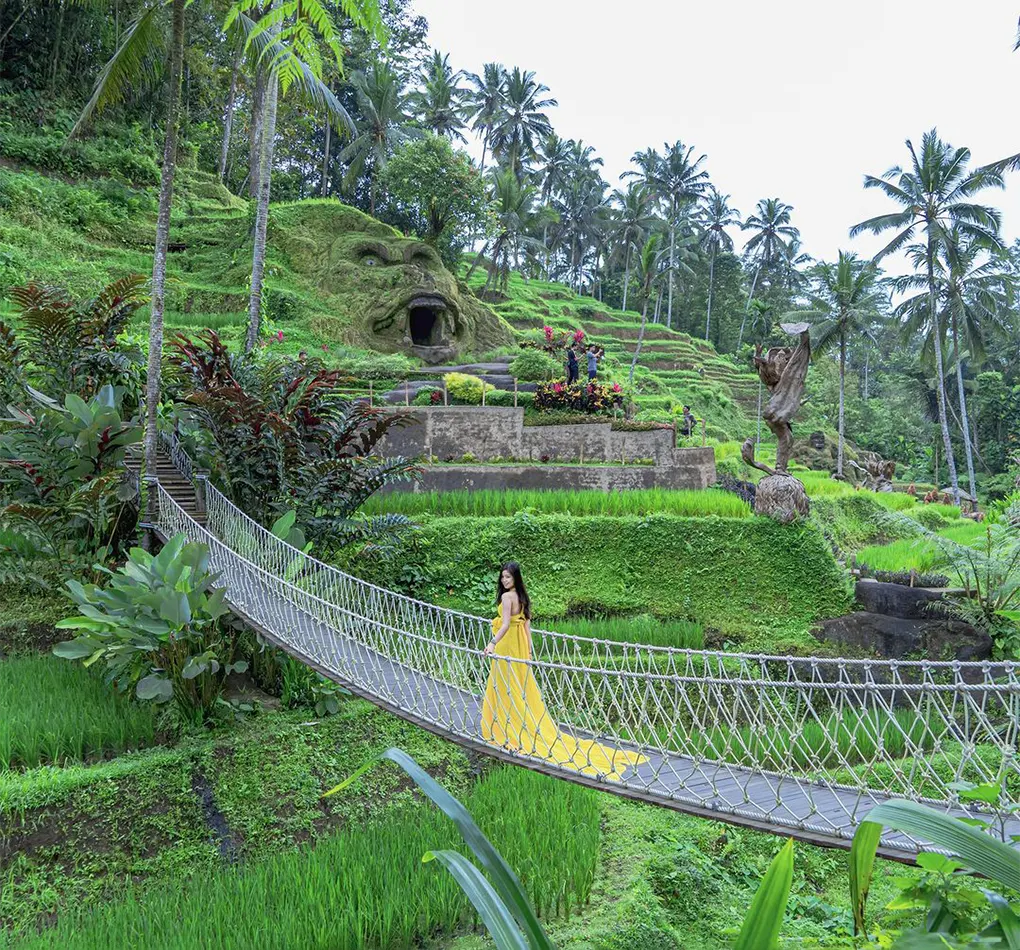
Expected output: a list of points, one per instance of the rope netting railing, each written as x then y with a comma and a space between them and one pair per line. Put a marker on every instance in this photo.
784, 742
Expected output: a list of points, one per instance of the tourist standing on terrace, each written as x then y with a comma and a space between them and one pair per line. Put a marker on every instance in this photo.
571, 365
593, 362
514, 715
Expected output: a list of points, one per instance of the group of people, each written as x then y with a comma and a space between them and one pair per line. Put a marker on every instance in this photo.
593, 354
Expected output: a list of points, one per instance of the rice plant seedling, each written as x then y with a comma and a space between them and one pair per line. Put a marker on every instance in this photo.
52, 712
921, 554
366, 887
496, 504
683, 634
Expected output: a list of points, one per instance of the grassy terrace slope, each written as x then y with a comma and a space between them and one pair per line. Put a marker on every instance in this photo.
83, 233
671, 366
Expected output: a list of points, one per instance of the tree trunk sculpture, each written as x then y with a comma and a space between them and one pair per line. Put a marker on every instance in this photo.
783, 371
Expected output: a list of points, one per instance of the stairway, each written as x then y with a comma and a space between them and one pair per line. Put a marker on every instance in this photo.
180, 488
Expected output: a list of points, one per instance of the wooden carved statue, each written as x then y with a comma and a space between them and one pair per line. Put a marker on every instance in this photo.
783, 371
877, 472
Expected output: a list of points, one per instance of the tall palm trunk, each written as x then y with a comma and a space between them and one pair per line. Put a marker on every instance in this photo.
57, 43
747, 306
166, 197
485, 145
640, 340
964, 421
940, 380
324, 181
258, 263
258, 111
842, 391
228, 116
626, 276
711, 287
672, 251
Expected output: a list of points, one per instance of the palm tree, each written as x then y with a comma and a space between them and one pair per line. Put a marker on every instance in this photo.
382, 129
678, 181
978, 292
137, 57
631, 219
512, 206
440, 101
767, 249
648, 270
974, 294
847, 301
520, 121
934, 195
485, 101
289, 56
555, 164
716, 216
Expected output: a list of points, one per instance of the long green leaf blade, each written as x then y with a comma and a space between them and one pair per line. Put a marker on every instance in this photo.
862, 865
765, 917
503, 878
995, 860
497, 919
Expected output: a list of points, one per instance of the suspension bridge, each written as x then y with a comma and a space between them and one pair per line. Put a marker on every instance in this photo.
796, 746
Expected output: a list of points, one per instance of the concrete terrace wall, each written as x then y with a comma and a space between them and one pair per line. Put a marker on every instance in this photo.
494, 432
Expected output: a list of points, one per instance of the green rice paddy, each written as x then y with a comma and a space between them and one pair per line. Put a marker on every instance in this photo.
53, 712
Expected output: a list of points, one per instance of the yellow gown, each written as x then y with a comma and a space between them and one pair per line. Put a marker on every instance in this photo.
514, 715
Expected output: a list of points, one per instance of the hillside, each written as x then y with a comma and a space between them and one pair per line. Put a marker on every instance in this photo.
83, 232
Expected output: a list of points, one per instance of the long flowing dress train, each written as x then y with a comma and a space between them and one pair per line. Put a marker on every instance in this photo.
514, 714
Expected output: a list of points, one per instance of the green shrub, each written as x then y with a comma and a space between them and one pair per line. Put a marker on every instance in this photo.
501, 397
738, 575
159, 628
534, 366
466, 390
367, 365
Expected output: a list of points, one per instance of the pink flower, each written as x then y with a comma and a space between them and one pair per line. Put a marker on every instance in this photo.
325, 349
279, 336
557, 387
548, 333
617, 388
578, 336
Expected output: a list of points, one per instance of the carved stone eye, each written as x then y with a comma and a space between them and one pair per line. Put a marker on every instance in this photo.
371, 260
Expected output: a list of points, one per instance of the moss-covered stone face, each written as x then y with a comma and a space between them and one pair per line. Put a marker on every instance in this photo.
394, 292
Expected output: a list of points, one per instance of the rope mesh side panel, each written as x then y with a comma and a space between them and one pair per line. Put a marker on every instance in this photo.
795, 743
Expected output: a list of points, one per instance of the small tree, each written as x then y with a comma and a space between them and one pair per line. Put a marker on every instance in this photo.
159, 628
436, 192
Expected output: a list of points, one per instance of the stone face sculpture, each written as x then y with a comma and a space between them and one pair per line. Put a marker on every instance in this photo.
393, 294
783, 371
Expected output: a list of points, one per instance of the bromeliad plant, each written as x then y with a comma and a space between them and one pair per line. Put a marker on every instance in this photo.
159, 627
282, 437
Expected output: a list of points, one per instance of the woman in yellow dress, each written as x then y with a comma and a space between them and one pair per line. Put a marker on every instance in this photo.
513, 712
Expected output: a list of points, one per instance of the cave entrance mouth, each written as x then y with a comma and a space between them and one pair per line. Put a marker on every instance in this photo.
422, 322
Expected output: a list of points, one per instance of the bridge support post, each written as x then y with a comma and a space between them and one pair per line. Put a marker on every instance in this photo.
201, 483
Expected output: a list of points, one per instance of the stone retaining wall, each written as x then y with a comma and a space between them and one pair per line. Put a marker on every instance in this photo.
489, 432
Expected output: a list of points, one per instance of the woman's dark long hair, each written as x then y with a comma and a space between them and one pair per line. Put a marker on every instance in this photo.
522, 594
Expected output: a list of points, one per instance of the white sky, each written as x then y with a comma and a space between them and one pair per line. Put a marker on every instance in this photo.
795, 99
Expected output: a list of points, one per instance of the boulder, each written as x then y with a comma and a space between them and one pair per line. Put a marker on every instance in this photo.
897, 600
898, 638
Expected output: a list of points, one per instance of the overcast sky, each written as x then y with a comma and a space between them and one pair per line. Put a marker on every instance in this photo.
794, 99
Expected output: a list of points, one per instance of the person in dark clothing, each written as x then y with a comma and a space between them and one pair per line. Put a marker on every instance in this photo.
571, 365
689, 423
593, 362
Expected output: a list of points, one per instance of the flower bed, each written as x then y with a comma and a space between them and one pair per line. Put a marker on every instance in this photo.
592, 398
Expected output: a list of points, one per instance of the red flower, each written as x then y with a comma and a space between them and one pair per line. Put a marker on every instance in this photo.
578, 336
279, 335
548, 333
617, 388
557, 387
